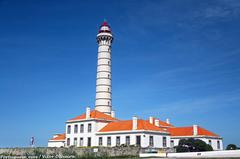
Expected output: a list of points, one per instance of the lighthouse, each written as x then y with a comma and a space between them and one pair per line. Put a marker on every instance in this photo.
103, 102
100, 127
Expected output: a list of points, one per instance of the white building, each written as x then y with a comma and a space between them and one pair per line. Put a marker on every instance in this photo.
99, 127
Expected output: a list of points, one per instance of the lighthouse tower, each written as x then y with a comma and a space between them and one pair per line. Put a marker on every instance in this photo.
103, 101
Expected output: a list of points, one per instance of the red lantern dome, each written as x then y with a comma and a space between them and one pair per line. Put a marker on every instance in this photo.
105, 28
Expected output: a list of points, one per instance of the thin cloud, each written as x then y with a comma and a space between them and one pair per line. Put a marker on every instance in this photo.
206, 104
226, 9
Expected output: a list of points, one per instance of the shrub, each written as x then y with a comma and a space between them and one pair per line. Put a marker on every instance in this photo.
231, 147
193, 145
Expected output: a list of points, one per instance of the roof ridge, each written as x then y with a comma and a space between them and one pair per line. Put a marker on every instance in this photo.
94, 114
182, 127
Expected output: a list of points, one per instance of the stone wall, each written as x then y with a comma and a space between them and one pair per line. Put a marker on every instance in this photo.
97, 151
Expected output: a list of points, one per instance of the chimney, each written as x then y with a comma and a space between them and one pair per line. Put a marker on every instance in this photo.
151, 120
113, 114
168, 121
195, 130
157, 122
87, 113
55, 135
134, 123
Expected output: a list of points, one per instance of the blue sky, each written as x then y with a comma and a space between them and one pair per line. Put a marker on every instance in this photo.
171, 59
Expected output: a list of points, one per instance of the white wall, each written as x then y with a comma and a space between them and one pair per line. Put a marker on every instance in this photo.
96, 126
56, 143
158, 138
213, 143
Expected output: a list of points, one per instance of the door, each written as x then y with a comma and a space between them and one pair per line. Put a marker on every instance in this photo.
138, 140
89, 141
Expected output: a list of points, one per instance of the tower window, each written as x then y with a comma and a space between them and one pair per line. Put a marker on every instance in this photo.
108, 62
108, 75
108, 89
108, 103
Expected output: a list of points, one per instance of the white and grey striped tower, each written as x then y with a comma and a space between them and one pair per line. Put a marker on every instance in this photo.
103, 101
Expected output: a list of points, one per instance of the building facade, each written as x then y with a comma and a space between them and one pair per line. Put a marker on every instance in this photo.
99, 127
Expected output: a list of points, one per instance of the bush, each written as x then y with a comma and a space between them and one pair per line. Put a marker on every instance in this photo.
38, 153
231, 147
193, 145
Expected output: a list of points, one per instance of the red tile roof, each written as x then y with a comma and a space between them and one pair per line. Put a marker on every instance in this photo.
202, 131
126, 125
188, 131
59, 137
94, 114
181, 131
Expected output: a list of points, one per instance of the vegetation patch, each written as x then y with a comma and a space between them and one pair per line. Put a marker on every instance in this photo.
193, 145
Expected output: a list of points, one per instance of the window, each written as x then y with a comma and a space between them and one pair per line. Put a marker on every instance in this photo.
218, 144
151, 141
108, 141
164, 141
75, 128
108, 76
89, 127
81, 142
81, 128
108, 103
68, 141
108, 89
127, 140
138, 140
100, 141
75, 141
108, 62
118, 141
69, 129
210, 142
89, 141
172, 143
